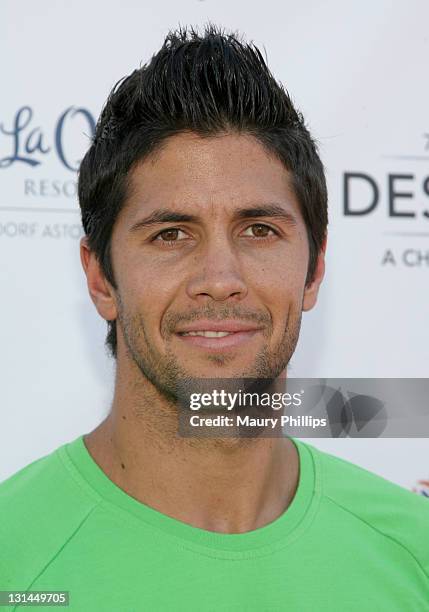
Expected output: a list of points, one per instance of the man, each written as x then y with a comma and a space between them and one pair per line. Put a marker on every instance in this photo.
205, 211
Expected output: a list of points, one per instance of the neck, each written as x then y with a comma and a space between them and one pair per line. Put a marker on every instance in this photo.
223, 485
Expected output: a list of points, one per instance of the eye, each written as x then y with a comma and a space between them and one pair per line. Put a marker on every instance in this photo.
169, 235
260, 230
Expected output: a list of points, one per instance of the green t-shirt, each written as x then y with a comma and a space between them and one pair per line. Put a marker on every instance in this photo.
349, 541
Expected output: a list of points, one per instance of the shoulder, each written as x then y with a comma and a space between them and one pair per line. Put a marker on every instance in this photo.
42, 506
391, 510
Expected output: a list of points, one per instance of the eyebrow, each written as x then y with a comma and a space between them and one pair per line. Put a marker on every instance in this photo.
166, 215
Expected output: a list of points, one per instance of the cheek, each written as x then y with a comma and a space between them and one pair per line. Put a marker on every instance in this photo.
146, 289
281, 278
279, 284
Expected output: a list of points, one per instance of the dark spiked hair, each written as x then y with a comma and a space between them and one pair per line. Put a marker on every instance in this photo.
207, 83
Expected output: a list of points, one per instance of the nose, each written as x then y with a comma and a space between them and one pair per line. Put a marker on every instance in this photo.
218, 272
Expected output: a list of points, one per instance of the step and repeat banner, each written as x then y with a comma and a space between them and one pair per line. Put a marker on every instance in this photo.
357, 71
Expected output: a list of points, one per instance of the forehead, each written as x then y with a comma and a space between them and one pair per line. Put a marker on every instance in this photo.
211, 174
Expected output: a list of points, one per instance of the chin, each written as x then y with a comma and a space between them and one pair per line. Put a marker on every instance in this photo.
219, 369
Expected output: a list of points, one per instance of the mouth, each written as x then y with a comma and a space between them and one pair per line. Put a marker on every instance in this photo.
207, 333
217, 339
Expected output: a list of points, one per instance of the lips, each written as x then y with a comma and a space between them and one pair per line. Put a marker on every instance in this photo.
207, 334
217, 336
227, 327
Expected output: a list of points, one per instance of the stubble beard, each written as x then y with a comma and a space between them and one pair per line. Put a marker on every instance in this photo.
165, 372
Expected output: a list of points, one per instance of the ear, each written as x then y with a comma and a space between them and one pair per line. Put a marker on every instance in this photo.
100, 290
312, 289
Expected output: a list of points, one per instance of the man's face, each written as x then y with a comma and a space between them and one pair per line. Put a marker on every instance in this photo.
233, 261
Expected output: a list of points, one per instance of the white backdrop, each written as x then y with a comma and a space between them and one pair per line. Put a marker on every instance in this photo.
358, 72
